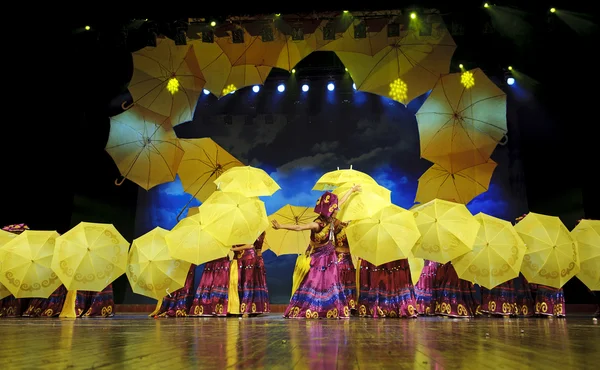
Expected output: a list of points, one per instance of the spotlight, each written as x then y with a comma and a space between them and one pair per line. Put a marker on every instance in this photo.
256, 88
413, 15
345, 12
510, 68
510, 81
346, 69
330, 86
278, 15
354, 86
486, 5
87, 28
460, 66
305, 87
294, 70
552, 10
206, 92
281, 88
213, 23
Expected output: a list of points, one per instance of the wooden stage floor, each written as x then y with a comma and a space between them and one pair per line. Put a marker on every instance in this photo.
270, 342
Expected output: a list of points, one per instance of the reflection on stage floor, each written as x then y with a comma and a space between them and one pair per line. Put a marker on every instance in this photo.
135, 342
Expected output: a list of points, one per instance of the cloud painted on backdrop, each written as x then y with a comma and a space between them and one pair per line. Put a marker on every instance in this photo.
493, 202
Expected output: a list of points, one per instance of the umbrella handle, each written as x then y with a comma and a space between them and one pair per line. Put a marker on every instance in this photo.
119, 182
504, 140
126, 107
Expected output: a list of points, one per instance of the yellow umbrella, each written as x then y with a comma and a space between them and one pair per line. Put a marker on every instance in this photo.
448, 230
496, 256
5, 237
191, 241
460, 187
144, 147
375, 40
245, 45
167, 80
416, 267
203, 162
587, 234
407, 67
387, 236
151, 270
221, 77
248, 181
90, 256
462, 120
236, 218
552, 256
366, 203
286, 241
336, 178
25, 264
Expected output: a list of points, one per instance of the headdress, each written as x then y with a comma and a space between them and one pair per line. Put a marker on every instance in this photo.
327, 204
16, 228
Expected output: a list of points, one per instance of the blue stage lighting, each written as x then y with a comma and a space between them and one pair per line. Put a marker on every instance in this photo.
281, 88
305, 87
330, 86
256, 88
510, 81
206, 92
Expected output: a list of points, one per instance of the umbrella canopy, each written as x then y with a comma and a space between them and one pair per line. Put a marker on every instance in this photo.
203, 162
248, 181
167, 80
375, 38
460, 187
144, 147
336, 178
496, 256
5, 237
587, 234
247, 44
387, 236
25, 265
285, 241
151, 271
552, 256
90, 256
365, 203
448, 230
462, 120
416, 267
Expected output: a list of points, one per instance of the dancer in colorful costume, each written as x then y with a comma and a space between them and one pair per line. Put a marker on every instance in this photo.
178, 303
11, 306
452, 296
346, 267
424, 288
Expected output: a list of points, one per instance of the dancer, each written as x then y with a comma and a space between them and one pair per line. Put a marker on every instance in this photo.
11, 306
549, 301
346, 267
424, 288
251, 278
320, 294
500, 300
386, 290
211, 296
178, 303
452, 296
47, 307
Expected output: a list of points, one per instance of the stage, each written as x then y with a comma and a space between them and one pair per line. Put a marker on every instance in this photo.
136, 341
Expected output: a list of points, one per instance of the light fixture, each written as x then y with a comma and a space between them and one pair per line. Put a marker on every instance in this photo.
354, 86
256, 88
510, 68
281, 88
213, 23
293, 70
460, 66
486, 5
345, 69
87, 28
552, 10
278, 15
206, 92
330, 86
305, 87
510, 81
345, 12
413, 15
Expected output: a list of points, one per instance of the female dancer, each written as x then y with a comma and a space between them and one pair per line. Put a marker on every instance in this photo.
424, 288
11, 306
252, 282
346, 267
211, 296
452, 296
179, 302
320, 294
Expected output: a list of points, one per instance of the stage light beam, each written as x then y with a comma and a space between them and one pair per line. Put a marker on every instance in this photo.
256, 88
486, 5
206, 92
305, 88
510, 81
281, 88
460, 66
330, 86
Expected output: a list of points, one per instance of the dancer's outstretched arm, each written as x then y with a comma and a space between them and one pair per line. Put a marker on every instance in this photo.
242, 247
309, 226
347, 195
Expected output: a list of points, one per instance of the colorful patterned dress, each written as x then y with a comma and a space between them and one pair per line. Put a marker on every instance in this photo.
320, 294
386, 290
211, 296
549, 301
452, 296
11, 306
47, 307
252, 280
95, 304
346, 267
179, 302
500, 300
424, 288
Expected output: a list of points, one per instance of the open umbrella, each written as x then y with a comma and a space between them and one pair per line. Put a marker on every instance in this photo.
336, 178
496, 256
406, 67
462, 120
448, 230
374, 39
167, 80
285, 241
587, 234
144, 147
25, 264
250, 45
248, 181
5, 237
150, 270
552, 256
365, 203
459, 187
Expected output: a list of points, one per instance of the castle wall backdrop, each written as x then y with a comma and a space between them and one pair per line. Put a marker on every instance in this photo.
312, 133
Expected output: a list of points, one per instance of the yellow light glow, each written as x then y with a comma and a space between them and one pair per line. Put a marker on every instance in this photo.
552, 10
345, 12
213, 23
345, 69
399, 90
413, 15
510, 68
467, 80
460, 66
173, 86
229, 89
486, 5
293, 71
278, 15
87, 28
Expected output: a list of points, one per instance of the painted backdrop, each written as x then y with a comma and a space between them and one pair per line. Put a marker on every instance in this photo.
296, 137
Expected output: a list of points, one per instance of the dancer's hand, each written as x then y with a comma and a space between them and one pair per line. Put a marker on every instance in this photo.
275, 224
356, 188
